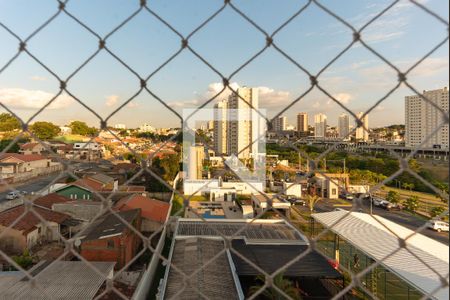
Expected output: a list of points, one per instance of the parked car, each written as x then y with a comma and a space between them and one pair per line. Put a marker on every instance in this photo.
389, 206
438, 225
296, 201
13, 195
378, 202
349, 197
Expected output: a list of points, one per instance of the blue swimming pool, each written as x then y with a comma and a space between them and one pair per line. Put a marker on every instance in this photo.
208, 215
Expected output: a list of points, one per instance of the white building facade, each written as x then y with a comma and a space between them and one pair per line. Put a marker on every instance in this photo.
362, 133
422, 118
320, 125
344, 126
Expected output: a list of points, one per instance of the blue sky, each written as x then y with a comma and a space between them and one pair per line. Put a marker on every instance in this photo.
358, 79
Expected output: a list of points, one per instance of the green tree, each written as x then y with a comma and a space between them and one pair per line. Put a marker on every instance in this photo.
8, 122
281, 283
82, 128
25, 260
45, 130
408, 186
412, 203
393, 197
311, 201
436, 211
14, 148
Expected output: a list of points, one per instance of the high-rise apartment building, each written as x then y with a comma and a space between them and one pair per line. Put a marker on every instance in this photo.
221, 127
302, 123
196, 158
362, 133
320, 126
344, 126
241, 135
279, 124
422, 118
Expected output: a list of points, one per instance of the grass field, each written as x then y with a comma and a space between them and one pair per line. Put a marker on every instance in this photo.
426, 201
72, 138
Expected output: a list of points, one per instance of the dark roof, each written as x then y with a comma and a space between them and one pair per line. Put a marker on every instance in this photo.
110, 225
255, 231
270, 258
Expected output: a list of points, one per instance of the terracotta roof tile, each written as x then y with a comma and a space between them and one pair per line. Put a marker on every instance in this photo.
23, 157
48, 200
29, 220
152, 209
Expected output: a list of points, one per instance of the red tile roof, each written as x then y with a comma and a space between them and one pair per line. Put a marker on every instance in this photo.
89, 184
28, 146
48, 200
29, 221
151, 209
23, 157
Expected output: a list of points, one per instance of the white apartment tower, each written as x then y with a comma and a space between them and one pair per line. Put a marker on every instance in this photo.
220, 127
344, 126
241, 132
422, 118
362, 133
320, 125
279, 124
302, 122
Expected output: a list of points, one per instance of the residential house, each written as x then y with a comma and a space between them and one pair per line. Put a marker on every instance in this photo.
153, 212
25, 166
109, 239
107, 182
31, 148
262, 202
84, 189
79, 189
87, 151
15, 237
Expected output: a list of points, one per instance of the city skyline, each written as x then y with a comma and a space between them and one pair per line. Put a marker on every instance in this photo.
358, 79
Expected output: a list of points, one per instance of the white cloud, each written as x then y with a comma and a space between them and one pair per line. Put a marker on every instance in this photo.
38, 78
32, 99
132, 104
268, 97
344, 98
111, 100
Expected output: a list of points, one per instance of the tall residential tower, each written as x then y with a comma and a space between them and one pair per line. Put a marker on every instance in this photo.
362, 133
422, 118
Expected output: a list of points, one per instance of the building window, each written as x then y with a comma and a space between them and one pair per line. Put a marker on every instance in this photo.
110, 244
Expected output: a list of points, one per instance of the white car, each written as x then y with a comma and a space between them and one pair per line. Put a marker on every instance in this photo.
438, 226
13, 195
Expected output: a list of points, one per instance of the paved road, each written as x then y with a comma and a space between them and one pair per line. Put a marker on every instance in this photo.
400, 217
31, 186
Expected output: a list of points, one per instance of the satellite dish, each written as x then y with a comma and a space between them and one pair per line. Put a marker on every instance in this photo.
77, 242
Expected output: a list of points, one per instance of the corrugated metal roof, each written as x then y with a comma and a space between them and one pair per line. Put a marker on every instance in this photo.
60, 280
215, 281
255, 232
367, 234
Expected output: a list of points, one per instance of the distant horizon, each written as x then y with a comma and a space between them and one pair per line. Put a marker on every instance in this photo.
358, 79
